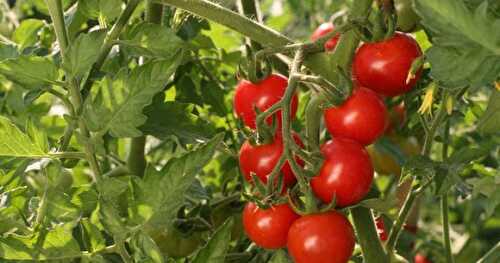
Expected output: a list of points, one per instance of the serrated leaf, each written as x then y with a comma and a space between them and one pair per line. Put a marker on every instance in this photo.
152, 40
490, 121
466, 44
13, 142
161, 193
165, 119
119, 104
29, 71
83, 52
26, 34
218, 245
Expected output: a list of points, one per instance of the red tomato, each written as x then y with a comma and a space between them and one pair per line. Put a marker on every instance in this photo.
322, 30
384, 66
321, 238
362, 117
268, 228
262, 95
347, 173
382, 233
397, 117
419, 258
261, 159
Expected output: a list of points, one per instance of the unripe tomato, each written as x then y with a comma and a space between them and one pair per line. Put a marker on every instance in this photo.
261, 159
173, 244
321, 238
407, 18
347, 173
384, 66
268, 228
263, 95
363, 117
419, 258
322, 30
385, 163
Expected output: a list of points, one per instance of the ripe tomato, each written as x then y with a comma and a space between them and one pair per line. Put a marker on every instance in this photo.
363, 117
419, 258
382, 233
322, 30
173, 244
262, 95
384, 66
386, 163
261, 159
347, 173
268, 228
321, 238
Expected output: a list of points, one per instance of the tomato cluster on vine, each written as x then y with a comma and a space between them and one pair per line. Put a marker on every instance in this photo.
380, 69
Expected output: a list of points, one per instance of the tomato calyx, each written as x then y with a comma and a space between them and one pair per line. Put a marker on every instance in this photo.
381, 24
254, 69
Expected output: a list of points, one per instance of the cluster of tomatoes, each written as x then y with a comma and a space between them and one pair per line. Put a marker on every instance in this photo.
379, 70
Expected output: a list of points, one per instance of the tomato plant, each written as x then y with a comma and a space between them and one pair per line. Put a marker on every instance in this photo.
321, 238
241, 131
384, 66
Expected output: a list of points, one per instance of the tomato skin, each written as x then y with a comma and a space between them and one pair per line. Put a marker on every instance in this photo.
408, 20
384, 66
268, 228
321, 238
347, 173
419, 258
380, 225
363, 117
261, 159
322, 30
262, 95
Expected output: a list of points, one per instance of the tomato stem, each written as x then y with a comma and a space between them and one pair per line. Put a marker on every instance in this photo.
444, 200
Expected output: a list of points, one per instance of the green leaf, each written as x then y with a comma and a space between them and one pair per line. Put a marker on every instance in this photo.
29, 71
152, 40
490, 121
165, 119
466, 44
83, 52
280, 257
145, 249
92, 236
161, 193
13, 142
111, 220
104, 10
7, 51
119, 103
218, 245
26, 34
419, 167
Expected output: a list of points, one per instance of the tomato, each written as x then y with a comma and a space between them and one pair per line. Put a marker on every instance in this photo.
363, 117
268, 228
261, 159
347, 173
382, 232
174, 244
262, 95
386, 163
322, 30
407, 18
397, 118
321, 238
384, 66
419, 258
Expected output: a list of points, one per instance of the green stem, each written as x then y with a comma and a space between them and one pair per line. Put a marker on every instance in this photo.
313, 113
373, 252
414, 191
69, 155
444, 201
136, 159
491, 256
120, 247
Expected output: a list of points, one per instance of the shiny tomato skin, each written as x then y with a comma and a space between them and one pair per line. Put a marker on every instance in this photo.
268, 228
321, 238
384, 66
262, 95
322, 30
347, 173
261, 159
419, 258
362, 117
